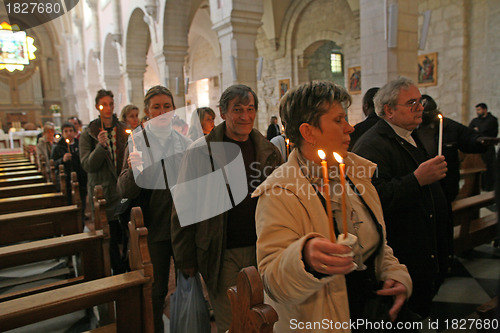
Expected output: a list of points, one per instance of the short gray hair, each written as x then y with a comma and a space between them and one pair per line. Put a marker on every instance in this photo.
389, 93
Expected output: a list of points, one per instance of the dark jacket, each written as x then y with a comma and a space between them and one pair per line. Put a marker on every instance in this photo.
98, 163
58, 151
487, 126
272, 131
362, 127
416, 216
455, 137
156, 204
201, 245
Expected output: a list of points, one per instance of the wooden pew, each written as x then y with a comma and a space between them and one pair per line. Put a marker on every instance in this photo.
471, 168
43, 223
19, 173
470, 229
37, 188
250, 314
13, 156
32, 202
10, 164
19, 168
35, 201
22, 180
28, 189
130, 291
92, 248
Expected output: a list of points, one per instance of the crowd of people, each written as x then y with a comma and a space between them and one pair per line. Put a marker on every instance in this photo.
391, 219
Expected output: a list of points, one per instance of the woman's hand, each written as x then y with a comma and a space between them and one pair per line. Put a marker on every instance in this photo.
102, 137
396, 289
326, 257
135, 159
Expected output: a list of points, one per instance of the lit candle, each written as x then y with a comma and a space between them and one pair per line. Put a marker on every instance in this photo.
342, 185
67, 142
326, 183
287, 148
440, 141
102, 125
129, 131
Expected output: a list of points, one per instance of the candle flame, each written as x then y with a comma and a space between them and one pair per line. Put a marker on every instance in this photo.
67, 140
440, 116
321, 154
58, 136
287, 141
338, 158
128, 131
101, 107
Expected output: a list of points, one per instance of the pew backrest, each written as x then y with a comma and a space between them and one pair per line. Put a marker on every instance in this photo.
131, 291
249, 313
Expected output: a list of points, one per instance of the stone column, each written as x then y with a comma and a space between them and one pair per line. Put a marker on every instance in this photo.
237, 31
171, 61
134, 79
379, 63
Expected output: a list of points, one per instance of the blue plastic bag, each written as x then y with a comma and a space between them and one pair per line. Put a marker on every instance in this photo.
188, 309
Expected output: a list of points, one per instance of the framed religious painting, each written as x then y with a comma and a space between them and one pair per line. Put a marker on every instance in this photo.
427, 69
284, 85
354, 80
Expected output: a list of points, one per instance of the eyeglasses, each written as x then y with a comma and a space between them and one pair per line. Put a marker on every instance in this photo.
413, 104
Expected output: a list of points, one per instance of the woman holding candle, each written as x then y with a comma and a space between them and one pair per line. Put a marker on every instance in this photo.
307, 276
143, 180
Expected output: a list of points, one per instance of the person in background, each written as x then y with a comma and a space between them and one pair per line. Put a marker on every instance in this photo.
407, 181
455, 137
78, 125
102, 146
486, 125
220, 246
180, 125
130, 116
204, 123
307, 277
273, 129
156, 204
68, 154
370, 114
44, 146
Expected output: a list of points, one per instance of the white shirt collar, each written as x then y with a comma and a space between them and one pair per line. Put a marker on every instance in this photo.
403, 133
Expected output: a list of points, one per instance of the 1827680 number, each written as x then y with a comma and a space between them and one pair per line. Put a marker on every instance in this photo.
33, 8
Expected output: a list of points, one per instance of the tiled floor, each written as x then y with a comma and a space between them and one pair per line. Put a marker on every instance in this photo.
475, 280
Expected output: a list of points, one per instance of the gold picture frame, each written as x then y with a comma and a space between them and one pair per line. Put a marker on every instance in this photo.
354, 80
283, 86
427, 69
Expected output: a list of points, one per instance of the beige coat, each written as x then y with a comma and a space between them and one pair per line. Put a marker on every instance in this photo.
289, 212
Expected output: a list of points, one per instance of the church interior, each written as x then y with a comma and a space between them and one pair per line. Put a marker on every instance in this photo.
198, 48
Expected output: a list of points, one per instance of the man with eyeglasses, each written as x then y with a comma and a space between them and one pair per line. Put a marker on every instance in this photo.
407, 182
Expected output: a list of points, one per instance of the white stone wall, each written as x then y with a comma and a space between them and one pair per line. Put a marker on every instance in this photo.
446, 37
484, 56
